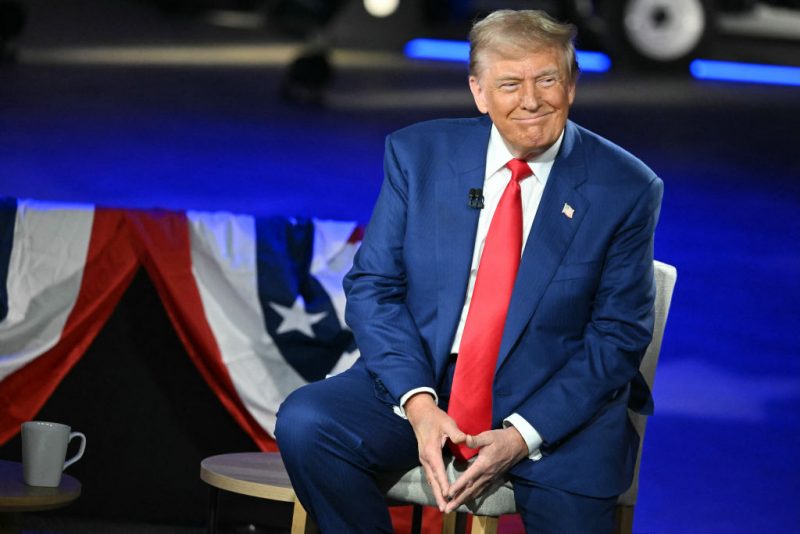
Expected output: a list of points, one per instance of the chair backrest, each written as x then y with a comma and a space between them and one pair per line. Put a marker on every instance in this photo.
665, 277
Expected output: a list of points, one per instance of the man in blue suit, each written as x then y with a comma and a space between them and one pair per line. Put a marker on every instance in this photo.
578, 320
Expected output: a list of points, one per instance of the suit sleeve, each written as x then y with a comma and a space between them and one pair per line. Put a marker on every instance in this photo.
617, 335
376, 287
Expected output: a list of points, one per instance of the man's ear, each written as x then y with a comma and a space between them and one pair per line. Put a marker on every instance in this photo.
478, 94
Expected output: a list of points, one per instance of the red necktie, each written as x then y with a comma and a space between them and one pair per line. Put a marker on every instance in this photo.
471, 394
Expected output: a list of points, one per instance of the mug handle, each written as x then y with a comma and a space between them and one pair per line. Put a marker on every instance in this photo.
80, 450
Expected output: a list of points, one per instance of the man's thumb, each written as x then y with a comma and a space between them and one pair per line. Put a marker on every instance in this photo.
476, 442
456, 435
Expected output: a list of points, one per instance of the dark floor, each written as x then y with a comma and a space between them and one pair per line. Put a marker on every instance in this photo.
188, 123
59, 524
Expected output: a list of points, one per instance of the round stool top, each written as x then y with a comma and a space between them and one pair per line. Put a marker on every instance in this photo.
258, 474
16, 496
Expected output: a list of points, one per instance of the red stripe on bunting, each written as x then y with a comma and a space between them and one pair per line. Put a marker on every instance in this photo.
357, 236
167, 256
111, 263
402, 519
432, 521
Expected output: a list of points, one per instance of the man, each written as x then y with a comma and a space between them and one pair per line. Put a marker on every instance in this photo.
575, 311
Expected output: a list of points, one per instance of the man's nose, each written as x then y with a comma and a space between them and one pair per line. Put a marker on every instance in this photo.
529, 96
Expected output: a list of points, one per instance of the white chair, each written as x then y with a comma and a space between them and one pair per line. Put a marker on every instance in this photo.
411, 487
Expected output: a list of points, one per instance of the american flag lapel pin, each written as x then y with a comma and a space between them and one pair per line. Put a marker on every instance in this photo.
568, 210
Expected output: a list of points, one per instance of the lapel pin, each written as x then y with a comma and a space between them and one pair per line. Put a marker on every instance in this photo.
568, 210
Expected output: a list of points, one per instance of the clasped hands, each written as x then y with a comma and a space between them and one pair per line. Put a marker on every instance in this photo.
499, 450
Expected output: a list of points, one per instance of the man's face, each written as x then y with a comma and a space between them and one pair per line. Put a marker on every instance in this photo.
528, 98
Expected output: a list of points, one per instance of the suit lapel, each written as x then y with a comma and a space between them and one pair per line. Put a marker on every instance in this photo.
550, 236
457, 224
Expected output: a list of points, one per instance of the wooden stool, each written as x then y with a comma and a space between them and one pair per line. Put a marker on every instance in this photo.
257, 474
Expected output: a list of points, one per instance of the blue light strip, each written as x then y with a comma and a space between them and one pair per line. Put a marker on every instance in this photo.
437, 49
593, 61
442, 50
704, 69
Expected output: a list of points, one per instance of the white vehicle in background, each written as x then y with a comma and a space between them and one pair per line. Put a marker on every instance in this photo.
663, 33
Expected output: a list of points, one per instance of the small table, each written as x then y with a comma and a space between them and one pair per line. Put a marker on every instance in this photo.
257, 474
17, 497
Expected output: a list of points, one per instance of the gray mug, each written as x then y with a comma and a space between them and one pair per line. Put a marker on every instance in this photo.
44, 450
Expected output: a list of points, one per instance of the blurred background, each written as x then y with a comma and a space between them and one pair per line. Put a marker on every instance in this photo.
280, 107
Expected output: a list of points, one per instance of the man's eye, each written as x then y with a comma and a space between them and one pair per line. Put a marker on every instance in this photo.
509, 86
547, 82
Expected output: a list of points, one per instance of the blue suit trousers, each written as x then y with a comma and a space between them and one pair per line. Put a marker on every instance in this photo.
334, 435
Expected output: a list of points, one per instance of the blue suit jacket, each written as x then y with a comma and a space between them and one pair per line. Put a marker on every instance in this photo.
580, 316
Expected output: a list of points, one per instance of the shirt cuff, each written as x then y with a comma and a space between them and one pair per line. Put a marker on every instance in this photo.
399, 410
529, 434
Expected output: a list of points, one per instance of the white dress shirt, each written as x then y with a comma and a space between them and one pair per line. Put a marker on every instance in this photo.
495, 181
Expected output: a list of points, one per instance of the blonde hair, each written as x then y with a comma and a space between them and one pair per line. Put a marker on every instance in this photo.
514, 33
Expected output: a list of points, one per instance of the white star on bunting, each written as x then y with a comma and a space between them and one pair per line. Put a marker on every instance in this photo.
296, 317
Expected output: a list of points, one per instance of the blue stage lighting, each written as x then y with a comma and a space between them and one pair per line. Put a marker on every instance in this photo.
438, 49
593, 61
705, 69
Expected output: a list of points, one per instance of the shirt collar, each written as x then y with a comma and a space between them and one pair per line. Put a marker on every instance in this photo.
497, 155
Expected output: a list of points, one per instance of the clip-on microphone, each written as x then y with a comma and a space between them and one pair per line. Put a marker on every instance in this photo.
475, 199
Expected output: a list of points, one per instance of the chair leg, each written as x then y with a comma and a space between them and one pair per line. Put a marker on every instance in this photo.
454, 523
449, 523
484, 524
213, 504
416, 519
623, 519
301, 523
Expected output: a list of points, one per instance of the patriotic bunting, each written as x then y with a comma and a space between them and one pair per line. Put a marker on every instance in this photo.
257, 302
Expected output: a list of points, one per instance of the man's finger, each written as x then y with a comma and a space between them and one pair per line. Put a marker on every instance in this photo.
472, 489
435, 480
467, 479
455, 434
436, 475
442, 480
481, 440
438, 491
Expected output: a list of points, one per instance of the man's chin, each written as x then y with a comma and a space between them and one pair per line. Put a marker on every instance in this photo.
531, 147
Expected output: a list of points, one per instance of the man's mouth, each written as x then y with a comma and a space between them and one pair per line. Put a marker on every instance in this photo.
532, 118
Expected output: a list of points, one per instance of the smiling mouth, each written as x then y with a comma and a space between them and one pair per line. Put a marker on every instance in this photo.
533, 118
